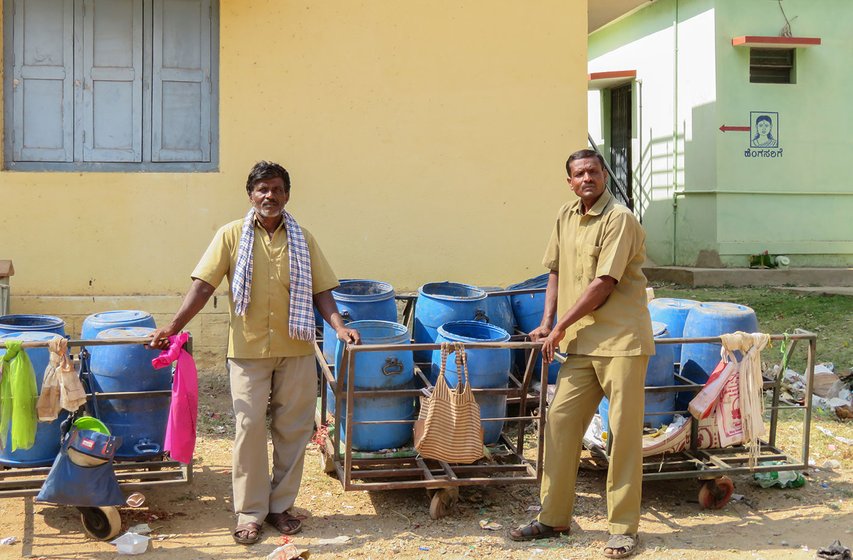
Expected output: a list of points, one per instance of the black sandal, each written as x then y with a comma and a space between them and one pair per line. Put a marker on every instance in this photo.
247, 533
536, 530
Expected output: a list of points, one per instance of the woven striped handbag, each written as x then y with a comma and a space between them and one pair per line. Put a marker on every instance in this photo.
448, 428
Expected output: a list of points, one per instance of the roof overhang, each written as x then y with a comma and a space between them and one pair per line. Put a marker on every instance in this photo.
604, 80
602, 12
775, 42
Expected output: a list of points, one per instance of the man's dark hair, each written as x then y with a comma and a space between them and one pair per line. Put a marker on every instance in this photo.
267, 170
584, 154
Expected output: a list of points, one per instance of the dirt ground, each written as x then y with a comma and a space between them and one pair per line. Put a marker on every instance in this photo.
195, 521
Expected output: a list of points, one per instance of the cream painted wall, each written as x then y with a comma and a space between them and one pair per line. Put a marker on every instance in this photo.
426, 141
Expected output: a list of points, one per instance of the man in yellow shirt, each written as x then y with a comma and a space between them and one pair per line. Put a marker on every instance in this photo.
276, 271
597, 289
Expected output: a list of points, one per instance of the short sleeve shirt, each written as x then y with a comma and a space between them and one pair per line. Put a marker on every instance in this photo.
606, 241
263, 331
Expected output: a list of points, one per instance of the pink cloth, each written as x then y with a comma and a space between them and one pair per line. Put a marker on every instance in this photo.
183, 412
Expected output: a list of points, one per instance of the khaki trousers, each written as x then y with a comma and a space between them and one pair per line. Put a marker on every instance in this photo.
581, 383
289, 385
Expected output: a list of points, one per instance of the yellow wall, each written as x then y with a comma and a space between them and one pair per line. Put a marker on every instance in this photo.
425, 140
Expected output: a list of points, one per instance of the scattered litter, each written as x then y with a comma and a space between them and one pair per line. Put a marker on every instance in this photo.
845, 440
831, 464
490, 525
141, 529
288, 552
337, 540
164, 537
131, 543
9, 540
824, 485
835, 551
219, 429
424, 548
534, 508
782, 479
135, 500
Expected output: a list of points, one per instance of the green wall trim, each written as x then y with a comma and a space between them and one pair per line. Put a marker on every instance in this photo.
786, 247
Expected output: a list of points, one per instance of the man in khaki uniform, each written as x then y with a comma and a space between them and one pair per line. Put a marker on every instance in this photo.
270, 353
597, 289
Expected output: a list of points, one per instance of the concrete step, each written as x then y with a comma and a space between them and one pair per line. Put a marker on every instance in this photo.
718, 277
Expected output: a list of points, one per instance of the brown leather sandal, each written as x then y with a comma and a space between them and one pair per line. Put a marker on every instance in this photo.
247, 533
286, 523
621, 546
536, 530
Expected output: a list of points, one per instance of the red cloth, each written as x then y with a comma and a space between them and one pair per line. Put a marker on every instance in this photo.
183, 411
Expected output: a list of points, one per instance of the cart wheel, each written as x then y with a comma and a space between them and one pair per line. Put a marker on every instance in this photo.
716, 493
101, 523
442, 502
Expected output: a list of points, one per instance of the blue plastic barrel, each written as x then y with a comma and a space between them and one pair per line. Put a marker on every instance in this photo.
47, 443
499, 309
487, 368
528, 310
140, 421
673, 313
710, 319
441, 302
660, 372
24, 323
387, 370
97, 322
359, 300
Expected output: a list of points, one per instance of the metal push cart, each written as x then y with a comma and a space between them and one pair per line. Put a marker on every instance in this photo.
100, 522
404, 468
712, 467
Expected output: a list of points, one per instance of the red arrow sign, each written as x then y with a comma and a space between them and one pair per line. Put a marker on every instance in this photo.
725, 128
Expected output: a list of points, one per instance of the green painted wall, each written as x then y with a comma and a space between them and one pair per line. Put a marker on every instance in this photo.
692, 81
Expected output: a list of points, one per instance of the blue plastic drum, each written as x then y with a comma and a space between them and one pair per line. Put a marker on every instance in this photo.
47, 443
673, 313
487, 368
97, 322
499, 309
380, 371
710, 319
528, 310
442, 302
359, 300
140, 421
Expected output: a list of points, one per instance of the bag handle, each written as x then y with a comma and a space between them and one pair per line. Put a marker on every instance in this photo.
461, 366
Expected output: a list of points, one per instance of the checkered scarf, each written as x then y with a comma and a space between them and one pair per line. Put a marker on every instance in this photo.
301, 324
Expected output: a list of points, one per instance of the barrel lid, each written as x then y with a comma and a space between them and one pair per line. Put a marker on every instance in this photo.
726, 308
473, 331
30, 336
374, 331
125, 332
659, 329
676, 303
118, 316
452, 291
31, 321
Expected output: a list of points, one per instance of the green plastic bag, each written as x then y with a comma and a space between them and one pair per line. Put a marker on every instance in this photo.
18, 396
782, 479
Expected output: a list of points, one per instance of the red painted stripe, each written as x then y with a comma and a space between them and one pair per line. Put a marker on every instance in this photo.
613, 75
748, 40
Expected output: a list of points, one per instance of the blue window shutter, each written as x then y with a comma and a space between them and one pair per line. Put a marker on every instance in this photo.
42, 80
112, 81
181, 86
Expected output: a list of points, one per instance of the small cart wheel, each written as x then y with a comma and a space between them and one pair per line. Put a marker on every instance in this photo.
442, 502
716, 493
101, 523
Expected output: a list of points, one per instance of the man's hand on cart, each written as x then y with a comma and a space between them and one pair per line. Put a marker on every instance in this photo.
160, 339
348, 335
550, 344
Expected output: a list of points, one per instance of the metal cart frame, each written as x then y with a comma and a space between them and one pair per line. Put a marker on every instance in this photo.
406, 470
102, 522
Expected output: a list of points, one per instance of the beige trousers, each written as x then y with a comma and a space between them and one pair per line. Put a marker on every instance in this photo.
581, 383
289, 385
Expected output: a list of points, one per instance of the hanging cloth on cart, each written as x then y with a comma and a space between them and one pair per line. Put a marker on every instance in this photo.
61, 387
18, 394
183, 410
82, 474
